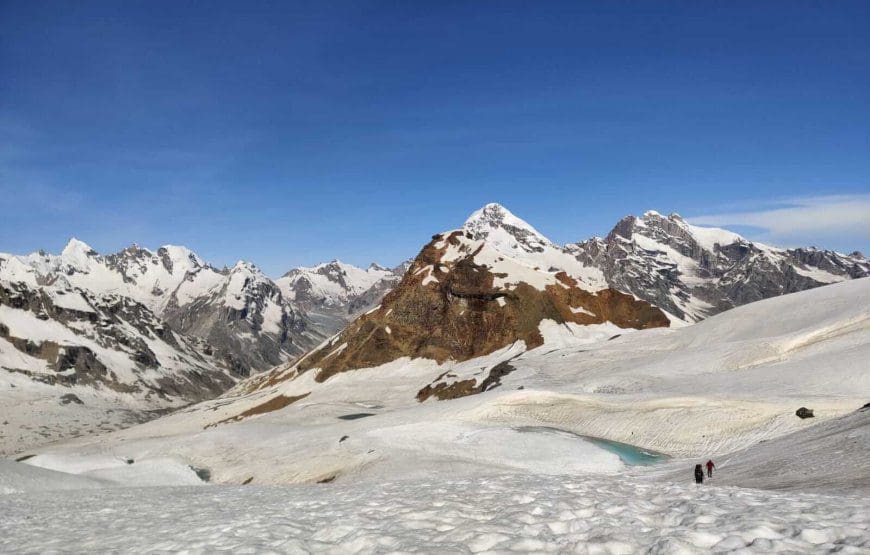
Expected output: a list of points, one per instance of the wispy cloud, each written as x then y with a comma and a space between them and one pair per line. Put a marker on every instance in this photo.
836, 221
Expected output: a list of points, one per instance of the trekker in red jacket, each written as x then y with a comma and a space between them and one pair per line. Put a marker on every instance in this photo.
710, 467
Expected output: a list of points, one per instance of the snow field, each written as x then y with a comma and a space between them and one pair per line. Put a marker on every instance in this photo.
677, 392
17, 478
459, 514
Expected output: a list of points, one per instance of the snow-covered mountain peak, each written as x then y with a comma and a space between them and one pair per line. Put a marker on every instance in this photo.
181, 255
76, 249
336, 291
494, 215
694, 272
245, 266
504, 231
671, 228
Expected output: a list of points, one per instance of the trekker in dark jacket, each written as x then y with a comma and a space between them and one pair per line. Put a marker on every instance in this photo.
710, 467
699, 474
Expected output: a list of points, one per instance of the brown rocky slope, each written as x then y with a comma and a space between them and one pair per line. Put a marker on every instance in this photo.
461, 299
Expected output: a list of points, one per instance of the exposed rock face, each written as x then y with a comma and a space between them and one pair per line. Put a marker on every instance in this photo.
247, 318
463, 298
694, 272
445, 390
69, 337
240, 311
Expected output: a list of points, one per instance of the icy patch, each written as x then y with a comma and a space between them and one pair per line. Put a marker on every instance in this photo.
503, 447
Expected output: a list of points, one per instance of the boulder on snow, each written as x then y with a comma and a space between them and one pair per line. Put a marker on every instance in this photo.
804, 412
70, 398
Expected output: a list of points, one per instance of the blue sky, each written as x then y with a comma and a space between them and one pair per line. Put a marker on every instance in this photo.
289, 133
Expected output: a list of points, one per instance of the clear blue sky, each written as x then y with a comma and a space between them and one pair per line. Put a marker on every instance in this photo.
288, 133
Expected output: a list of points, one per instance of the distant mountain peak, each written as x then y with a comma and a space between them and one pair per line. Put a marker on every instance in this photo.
77, 248
337, 287
694, 271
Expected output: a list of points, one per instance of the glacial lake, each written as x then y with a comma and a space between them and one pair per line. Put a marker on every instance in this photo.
629, 454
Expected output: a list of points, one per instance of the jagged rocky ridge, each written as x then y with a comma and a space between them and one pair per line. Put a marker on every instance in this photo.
65, 336
90, 343
236, 316
240, 311
695, 272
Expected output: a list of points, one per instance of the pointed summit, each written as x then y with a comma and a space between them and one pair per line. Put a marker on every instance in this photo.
77, 249
496, 225
495, 215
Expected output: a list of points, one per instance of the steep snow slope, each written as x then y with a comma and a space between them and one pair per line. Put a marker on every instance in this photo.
511, 237
704, 390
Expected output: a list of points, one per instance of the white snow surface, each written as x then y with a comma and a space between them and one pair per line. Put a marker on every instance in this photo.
481, 473
707, 389
497, 513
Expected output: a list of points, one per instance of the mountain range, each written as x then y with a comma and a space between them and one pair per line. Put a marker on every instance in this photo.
140, 331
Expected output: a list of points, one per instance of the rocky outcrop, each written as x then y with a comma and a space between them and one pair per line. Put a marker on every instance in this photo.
446, 390
450, 305
804, 413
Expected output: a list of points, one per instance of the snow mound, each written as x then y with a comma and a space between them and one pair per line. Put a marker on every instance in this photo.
16, 477
117, 470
